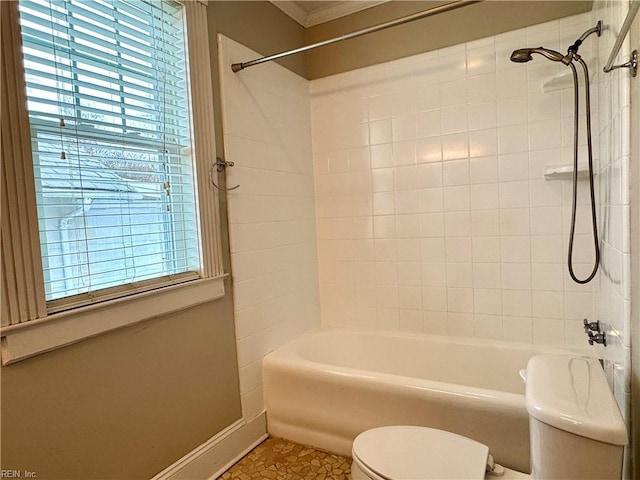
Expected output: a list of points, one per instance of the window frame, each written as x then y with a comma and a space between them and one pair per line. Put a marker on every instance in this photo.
39, 328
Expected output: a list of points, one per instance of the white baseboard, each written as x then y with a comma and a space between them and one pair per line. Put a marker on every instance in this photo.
216, 455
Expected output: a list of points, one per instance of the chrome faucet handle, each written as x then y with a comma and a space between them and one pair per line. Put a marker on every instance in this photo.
591, 326
597, 338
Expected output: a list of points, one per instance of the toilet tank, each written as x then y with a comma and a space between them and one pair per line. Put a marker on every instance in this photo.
576, 429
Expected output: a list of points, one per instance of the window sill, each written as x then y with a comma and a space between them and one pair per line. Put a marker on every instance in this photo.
61, 329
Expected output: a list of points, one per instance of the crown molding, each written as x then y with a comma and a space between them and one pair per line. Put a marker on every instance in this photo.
293, 10
337, 10
323, 14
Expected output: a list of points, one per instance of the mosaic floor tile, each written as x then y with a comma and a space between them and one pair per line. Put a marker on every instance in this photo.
278, 459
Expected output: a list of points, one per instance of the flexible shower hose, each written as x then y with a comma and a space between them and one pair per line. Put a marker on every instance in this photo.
575, 174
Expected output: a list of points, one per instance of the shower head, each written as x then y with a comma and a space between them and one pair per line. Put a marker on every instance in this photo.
524, 55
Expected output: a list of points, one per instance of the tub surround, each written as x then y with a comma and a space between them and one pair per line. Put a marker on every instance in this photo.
433, 212
267, 134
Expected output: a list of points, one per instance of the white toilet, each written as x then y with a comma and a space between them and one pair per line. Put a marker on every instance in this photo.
576, 432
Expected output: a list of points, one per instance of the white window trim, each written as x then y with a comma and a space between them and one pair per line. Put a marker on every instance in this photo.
61, 329
40, 332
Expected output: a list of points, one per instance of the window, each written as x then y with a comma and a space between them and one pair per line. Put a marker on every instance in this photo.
115, 157
110, 133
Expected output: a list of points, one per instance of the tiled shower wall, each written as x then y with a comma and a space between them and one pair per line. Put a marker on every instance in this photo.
267, 134
433, 213
612, 300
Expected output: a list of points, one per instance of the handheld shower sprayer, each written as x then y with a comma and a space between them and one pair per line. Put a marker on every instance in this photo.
525, 55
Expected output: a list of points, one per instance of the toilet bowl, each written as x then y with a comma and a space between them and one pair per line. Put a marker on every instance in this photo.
576, 431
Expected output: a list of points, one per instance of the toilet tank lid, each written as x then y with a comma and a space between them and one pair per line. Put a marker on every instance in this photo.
571, 393
410, 452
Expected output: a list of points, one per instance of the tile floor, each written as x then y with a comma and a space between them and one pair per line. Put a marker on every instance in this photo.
280, 459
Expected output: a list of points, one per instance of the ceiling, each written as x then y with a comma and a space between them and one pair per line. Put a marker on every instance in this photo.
309, 12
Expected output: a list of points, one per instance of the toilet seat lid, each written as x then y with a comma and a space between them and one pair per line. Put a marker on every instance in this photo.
408, 452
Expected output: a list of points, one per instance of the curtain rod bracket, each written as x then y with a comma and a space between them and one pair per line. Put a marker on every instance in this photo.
632, 65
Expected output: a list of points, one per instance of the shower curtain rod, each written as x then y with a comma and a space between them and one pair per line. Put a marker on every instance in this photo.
633, 63
236, 67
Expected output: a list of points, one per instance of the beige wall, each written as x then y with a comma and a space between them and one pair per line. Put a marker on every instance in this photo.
451, 28
125, 404
129, 403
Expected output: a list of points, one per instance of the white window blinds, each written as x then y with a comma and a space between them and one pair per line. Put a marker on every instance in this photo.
108, 108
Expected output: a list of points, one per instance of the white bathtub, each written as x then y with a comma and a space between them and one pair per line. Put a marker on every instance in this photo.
326, 387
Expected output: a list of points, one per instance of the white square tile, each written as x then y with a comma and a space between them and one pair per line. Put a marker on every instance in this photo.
482, 115
381, 156
406, 177
512, 111
403, 128
486, 249
546, 221
485, 196
545, 134
486, 275
514, 221
547, 276
458, 249
456, 198
435, 323
548, 331
514, 166
578, 305
404, 153
382, 180
455, 146
454, 119
383, 203
429, 150
428, 124
433, 250
514, 194
516, 276
460, 300
481, 60
513, 139
408, 226
453, 93
410, 297
407, 202
408, 249
431, 200
459, 275
380, 132
516, 303
461, 324
431, 225
512, 82
481, 88
434, 274
487, 301
483, 143
457, 224
434, 299
430, 175
410, 320
517, 329
547, 304
485, 223
384, 226
455, 172
483, 169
